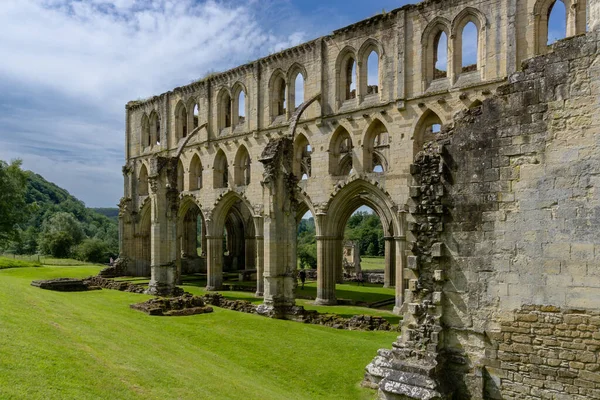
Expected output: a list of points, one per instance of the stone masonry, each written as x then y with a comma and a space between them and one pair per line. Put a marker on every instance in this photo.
485, 177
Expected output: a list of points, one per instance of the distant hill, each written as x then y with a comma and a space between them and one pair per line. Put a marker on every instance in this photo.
112, 213
47, 199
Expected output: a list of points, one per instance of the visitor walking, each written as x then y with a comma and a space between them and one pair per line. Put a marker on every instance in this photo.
302, 275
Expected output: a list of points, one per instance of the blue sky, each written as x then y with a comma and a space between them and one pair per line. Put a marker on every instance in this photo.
68, 68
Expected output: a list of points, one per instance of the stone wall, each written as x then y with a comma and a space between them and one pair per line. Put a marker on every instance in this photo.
521, 197
546, 352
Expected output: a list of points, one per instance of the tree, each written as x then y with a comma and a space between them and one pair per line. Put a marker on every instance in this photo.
59, 234
13, 207
93, 250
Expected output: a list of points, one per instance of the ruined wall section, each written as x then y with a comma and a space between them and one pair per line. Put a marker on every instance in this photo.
522, 229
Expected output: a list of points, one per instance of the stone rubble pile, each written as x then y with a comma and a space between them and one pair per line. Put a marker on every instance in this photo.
186, 304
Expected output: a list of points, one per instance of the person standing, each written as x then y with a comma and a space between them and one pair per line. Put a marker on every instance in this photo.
302, 275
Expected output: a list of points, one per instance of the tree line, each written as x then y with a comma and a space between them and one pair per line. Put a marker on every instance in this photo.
38, 217
362, 227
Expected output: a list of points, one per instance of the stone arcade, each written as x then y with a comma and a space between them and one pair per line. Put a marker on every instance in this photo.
492, 240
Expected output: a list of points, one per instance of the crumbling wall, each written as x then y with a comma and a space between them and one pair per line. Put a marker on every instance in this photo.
523, 228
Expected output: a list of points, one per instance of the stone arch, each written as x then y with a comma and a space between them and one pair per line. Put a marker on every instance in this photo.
467, 15
220, 170
241, 165
350, 197
430, 39
278, 94
223, 109
376, 140
145, 138
142, 241
143, 181
195, 173
340, 152
193, 112
181, 120
294, 72
575, 21
345, 62
305, 204
368, 47
191, 224
154, 122
239, 118
232, 214
302, 157
424, 129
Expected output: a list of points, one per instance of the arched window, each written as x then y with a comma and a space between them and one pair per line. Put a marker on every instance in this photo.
373, 73
278, 95
557, 22
440, 61
224, 111
242, 167
154, 128
302, 160
427, 129
143, 181
435, 51
146, 138
220, 170
196, 115
181, 120
350, 82
470, 40
376, 147
340, 153
180, 177
195, 180
298, 94
239, 105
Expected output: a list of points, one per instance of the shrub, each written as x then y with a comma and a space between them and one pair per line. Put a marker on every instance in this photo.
92, 250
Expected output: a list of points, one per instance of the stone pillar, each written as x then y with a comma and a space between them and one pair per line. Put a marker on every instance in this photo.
279, 185
594, 15
214, 263
389, 278
250, 251
326, 272
338, 260
163, 230
259, 263
400, 261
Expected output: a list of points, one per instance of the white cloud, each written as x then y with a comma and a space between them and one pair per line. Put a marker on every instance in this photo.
86, 59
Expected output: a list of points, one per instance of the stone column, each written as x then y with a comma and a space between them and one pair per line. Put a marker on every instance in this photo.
338, 260
400, 261
279, 185
389, 278
250, 251
163, 230
326, 272
259, 263
214, 262
594, 15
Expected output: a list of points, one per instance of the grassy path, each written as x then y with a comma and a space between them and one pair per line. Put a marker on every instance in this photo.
92, 346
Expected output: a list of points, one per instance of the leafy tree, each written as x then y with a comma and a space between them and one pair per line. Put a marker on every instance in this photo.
60, 232
13, 207
93, 250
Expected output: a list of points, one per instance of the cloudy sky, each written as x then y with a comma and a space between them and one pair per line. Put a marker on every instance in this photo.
68, 68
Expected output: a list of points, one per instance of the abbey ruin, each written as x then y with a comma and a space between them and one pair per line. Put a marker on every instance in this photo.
486, 178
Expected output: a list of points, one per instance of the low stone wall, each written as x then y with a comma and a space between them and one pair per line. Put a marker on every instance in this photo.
186, 304
548, 353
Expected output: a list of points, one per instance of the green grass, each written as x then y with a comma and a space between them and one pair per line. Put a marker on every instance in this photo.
368, 263
91, 345
6, 262
43, 260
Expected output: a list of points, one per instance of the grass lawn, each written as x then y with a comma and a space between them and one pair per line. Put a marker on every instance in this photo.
6, 262
367, 263
93, 346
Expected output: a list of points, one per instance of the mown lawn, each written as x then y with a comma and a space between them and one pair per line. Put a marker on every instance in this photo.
7, 262
93, 346
368, 263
